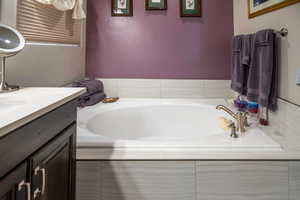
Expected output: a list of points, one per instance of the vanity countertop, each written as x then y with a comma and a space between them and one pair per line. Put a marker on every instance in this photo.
22, 106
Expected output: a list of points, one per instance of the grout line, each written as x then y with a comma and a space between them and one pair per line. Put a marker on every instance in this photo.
196, 180
160, 88
283, 99
289, 185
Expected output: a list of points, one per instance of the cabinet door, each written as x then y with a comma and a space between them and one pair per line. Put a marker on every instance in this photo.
14, 185
294, 180
136, 180
53, 168
242, 180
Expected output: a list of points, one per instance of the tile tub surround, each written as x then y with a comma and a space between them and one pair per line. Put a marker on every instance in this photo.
285, 126
188, 180
167, 88
159, 44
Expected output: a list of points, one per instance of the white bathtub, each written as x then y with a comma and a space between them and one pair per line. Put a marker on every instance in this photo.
164, 124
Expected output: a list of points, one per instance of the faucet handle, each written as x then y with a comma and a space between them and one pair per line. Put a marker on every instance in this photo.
245, 116
242, 113
246, 113
233, 133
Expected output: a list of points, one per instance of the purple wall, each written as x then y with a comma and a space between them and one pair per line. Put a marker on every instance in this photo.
159, 44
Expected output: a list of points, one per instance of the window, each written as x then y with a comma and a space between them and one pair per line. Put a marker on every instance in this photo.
43, 23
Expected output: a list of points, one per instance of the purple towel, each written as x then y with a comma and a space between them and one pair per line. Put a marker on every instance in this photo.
91, 100
246, 49
92, 86
262, 72
238, 71
94, 92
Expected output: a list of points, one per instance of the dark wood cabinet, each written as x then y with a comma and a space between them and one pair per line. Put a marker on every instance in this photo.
38, 160
52, 169
14, 186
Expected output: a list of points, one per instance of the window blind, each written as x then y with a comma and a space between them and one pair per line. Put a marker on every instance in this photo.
43, 23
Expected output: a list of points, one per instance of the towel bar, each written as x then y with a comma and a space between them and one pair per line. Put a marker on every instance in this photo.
283, 32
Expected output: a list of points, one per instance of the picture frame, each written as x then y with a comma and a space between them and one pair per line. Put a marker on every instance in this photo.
122, 8
260, 7
190, 8
156, 4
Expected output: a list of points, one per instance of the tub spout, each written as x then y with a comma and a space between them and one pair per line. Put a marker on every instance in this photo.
227, 110
240, 117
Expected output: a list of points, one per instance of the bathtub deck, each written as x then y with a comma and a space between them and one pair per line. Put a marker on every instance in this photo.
283, 130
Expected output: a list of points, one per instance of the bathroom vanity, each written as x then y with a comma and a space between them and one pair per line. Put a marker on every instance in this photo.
38, 144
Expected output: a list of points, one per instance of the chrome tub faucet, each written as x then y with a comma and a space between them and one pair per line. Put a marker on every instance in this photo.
240, 117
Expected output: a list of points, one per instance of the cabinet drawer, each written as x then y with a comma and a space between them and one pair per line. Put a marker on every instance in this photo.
21, 143
136, 180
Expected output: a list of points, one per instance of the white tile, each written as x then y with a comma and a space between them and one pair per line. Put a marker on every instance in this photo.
285, 123
215, 93
148, 83
182, 93
139, 92
230, 93
110, 87
109, 82
167, 88
111, 91
139, 88
216, 83
182, 83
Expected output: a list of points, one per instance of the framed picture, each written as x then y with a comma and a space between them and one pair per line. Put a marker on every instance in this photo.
260, 7
190, 8
157, 4
121, 8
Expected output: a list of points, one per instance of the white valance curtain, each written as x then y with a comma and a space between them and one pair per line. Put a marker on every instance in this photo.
64, 5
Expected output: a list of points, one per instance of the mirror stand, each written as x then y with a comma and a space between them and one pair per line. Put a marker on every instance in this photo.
4, 87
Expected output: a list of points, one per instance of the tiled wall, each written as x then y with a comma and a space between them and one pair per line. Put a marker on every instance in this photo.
285, 124
167, 88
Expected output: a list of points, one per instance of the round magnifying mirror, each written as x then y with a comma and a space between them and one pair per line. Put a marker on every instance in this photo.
11, 41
